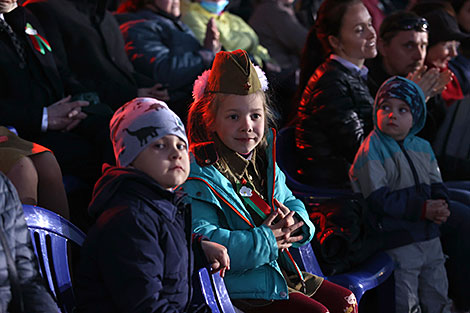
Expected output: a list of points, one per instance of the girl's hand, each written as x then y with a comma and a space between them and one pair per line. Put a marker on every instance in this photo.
217, 255
285, 210
281, 231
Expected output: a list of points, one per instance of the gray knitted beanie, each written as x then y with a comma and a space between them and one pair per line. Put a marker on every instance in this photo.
140, 122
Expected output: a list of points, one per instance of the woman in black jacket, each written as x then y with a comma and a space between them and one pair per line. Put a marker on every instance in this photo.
335, 110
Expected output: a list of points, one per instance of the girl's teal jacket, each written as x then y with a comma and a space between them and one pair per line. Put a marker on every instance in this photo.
219, 213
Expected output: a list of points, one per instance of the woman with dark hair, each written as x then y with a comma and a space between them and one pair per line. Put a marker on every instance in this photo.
334, 112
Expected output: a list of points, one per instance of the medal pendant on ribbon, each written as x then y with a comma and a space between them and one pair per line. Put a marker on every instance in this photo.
253, 199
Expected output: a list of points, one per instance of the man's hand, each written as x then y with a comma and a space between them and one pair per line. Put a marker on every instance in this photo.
432, 82
157, 91
217, 255
65, 115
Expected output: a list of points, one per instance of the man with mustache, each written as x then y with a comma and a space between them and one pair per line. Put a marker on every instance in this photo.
402, 43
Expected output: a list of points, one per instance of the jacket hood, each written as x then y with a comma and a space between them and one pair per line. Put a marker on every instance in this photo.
117, 180
404, 89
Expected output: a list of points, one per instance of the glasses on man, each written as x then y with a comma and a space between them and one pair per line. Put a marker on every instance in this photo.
416, 24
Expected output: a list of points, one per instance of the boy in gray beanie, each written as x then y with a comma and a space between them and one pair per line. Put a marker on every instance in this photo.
398, 175
139, 254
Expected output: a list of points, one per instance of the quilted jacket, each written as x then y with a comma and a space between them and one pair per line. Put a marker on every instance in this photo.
396, 178
36, 298
220, 214
333, 118
164, 49
138, 256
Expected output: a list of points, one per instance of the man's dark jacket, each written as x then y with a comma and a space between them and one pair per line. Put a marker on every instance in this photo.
87, 38
26, 90
163, 48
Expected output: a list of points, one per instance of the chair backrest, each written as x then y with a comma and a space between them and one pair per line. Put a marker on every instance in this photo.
309, 260
222, 294
214, 292
207, 290
50, 233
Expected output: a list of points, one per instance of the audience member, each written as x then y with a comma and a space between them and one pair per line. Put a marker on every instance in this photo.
34, 172
240, 199
284, 36
164, 49
444, 39
460, 65
22, 287
398, 175
402, 44
87, 41
234, 32
278, 29
138, 256
334, 113
32, 97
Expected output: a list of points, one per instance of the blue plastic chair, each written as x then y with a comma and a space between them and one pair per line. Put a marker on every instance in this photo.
366, 276
214, 292
207, 290
50, 233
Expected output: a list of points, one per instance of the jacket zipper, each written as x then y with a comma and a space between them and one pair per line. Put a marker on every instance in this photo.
419, 189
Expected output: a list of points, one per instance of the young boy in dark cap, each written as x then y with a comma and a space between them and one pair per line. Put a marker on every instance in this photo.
138, 256
398, 175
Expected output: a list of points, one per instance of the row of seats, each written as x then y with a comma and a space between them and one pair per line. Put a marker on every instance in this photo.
51, 233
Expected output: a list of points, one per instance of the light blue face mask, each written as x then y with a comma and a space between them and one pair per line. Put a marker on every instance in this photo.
214, 7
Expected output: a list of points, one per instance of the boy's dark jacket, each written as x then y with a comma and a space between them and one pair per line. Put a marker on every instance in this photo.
137, 257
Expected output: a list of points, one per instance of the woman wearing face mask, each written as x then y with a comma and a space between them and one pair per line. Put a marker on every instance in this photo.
335, 109
235, 33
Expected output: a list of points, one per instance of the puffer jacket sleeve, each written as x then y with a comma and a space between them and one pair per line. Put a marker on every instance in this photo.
285, 196
150, 55
248, 247
35, 296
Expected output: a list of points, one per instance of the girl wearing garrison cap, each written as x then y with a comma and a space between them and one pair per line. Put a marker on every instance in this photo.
240, 199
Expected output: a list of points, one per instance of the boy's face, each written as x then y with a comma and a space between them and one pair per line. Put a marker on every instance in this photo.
166, 160
394, 118
239, 122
